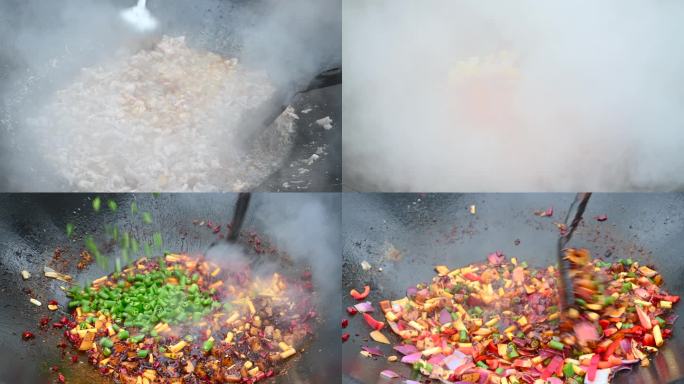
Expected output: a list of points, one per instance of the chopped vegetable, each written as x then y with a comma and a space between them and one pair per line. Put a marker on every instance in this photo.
25, 275
360, 296
163, 310
96, 204
379, 337
501, 320
51, 273
377, 325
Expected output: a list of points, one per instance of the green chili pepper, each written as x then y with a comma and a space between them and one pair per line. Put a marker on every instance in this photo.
142, 353
96, 204
123, 334
147, 217
556, 345
568, 370
69, 229
106, 342
208, 345
137, 339
512, 351
463, 336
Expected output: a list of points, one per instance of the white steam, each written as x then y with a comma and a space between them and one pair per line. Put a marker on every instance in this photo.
513, 96
307, 227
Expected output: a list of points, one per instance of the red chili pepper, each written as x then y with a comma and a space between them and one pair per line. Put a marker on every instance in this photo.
604, 323
345, 337
345, 323
44, 321
352, 311
27, 335
377, 325
74, 359
57, 325
360, 296
61, 378
471, 276
591, 371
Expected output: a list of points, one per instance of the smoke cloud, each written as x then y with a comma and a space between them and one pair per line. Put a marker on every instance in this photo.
543, 96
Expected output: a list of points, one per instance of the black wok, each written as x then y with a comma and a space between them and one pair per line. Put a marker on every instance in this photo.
32, 226
434, 229
42, 49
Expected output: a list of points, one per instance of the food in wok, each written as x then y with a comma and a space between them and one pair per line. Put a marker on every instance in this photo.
499, 322
178, 111
182, 319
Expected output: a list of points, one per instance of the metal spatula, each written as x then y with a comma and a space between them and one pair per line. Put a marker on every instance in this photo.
241, 205
139, 18
575, 212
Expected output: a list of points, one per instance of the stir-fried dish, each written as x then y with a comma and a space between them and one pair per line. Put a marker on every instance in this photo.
181, 319
499, 322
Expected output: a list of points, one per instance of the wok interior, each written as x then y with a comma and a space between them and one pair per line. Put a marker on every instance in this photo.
30, 239
422, 231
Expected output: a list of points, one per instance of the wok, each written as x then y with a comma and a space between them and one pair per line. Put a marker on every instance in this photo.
43, 48
434, 229
32, 225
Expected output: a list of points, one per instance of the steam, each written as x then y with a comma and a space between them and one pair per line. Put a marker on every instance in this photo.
307, 227
544, 96
45, 45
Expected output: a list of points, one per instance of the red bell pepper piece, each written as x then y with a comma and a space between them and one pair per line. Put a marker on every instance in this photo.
360, 295
552, 367
591, 371
672, 298
612, 347
472, 276
377, 325
649, 340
